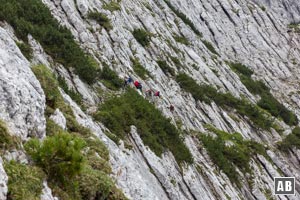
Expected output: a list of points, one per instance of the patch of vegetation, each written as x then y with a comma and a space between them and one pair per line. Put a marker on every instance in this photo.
210, 47
183, 17
207, 94
263, 8
50, 86
176, 61
291, 140
70, 158
142, 36
77, 97
58, 155
226, 156
112, 6
33, 17
7, 141
119, 113
165, 67
267, 101
25, 49
139, 69
24, 181
181, 39
110, 78
101, 19
294, 26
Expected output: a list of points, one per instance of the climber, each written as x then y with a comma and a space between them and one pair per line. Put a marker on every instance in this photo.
171, 108
127, 80
149, 93
138, 85
157, 94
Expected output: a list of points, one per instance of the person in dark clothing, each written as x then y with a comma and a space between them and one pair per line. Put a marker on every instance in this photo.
172, 108
127, 81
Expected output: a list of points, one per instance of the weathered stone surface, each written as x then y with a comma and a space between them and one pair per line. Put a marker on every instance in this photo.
21, 96
59, 119
47, 193
3, 181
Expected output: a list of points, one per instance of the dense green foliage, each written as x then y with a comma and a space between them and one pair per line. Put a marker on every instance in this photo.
119, 113
181, 39
165, 67
139, 69
59, 155
33, 17
267, 101
184, 18
77, 97
75, 161
101, 19
110, 78
24, 181
295, 27
112, 6
292, 140
142, 36
210, 47
25, 49
50, 86
7, 141
208, 93
227, 157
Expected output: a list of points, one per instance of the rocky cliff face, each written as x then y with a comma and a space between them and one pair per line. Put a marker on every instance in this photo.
198, 38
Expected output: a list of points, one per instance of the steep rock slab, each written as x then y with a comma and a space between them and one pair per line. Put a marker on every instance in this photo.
3, 181
22, 99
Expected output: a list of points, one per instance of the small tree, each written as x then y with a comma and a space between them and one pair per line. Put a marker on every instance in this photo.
60, 155
142, 36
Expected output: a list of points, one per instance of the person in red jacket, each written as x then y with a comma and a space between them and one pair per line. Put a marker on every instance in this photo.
157, 94
138, 85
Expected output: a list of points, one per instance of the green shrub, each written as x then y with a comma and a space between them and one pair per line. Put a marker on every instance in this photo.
267, 101
291, 140
142, 36
7, 141
165, 67
25, 49
58, 155
50, 86
183, 17
101, 19
181, 39
24, 181
139, 69
294, 26
112, 6
62, 155
210, 47
119, 113
77, 97
240, 68
33, 17
94, 184
52, 128
176, 61
110, 79
228, 157
208, 93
